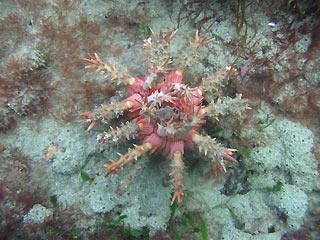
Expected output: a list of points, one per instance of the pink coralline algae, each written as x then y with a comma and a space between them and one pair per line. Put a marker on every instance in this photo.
163, 114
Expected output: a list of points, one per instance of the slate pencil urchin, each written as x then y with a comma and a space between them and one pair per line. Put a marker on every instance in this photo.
162, 112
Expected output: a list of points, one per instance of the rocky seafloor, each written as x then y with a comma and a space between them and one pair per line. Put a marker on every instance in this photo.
52, 180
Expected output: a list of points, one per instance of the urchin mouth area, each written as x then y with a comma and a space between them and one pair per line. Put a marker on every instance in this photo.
168, 113
173, 109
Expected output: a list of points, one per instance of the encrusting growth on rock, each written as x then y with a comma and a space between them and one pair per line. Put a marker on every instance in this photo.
162, 112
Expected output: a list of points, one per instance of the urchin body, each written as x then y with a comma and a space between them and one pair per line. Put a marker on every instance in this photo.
164, 115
